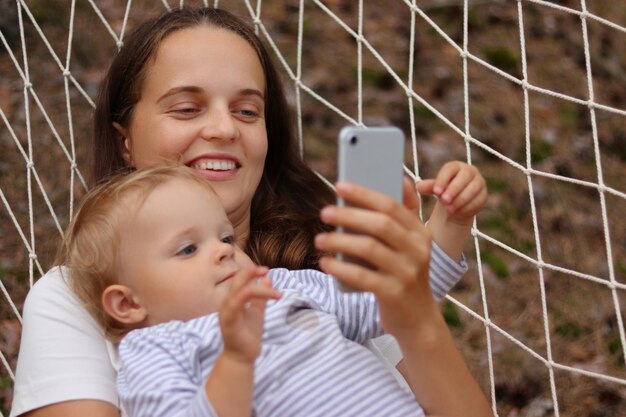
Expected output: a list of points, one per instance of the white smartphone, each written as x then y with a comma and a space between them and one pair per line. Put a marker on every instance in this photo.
373, 158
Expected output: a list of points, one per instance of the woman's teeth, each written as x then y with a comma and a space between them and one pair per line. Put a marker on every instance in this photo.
215, 165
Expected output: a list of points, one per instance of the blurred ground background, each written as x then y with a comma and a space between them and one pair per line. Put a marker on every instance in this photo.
583, 326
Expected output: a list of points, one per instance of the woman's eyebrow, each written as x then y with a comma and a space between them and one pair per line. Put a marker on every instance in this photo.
252, 92
196, 90
182, 89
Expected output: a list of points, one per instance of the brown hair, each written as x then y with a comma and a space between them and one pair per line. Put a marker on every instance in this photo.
285, 207
91, 243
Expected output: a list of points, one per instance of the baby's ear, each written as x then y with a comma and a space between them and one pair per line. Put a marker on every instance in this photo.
120, 303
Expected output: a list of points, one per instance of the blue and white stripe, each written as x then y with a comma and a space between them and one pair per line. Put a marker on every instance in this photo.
312, 362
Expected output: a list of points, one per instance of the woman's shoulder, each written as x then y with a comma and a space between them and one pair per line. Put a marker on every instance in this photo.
51, 289
52, 305
62, 341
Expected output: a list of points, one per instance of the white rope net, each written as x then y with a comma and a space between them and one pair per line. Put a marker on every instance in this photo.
530, 91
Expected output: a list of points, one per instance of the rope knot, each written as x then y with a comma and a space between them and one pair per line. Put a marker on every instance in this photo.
32, 256
66, 73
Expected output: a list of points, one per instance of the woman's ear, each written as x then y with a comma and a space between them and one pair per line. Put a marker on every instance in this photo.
120, 303
124, 143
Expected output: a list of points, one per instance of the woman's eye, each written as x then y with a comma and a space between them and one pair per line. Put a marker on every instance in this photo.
187, 110
187, 250
247, 113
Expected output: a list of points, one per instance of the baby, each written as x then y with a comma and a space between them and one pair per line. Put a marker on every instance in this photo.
205, 331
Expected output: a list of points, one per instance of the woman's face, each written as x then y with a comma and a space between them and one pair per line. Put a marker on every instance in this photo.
203, 104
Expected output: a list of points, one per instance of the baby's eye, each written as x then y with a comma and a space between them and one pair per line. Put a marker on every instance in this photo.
187, 250
229, 239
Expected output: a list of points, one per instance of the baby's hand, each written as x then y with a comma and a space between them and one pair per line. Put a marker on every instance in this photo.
242, 314
461, 190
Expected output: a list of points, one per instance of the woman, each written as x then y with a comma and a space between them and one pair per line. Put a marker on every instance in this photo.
198, 87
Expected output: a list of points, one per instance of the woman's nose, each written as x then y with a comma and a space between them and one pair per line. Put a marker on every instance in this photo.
219, 124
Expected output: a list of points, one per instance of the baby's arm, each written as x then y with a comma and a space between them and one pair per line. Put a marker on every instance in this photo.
230, 384
356, 312
462, 193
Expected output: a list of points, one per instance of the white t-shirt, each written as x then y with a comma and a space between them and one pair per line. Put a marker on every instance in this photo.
80, 364
64, 355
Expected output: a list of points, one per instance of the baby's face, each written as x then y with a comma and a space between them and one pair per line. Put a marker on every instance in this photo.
178, 252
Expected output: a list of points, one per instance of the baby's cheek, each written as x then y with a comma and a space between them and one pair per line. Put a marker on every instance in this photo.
242, 259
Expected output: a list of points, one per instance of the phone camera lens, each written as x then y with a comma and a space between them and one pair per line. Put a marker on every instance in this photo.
353, 140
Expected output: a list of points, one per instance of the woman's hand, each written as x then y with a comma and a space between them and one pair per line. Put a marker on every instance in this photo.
397, 245
242, 314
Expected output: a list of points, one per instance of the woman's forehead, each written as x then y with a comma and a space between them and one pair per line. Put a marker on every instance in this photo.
197, 55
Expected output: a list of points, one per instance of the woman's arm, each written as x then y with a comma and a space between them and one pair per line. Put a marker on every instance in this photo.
398, 245
64, 357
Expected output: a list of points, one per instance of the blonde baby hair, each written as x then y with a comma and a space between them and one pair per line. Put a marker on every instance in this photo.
91, 242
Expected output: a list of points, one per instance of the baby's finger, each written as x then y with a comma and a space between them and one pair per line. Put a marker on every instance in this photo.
467, 194
243, 276
238, 302
426, 187
445, 176
253, 291
458, 184
473, 206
